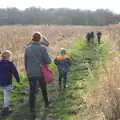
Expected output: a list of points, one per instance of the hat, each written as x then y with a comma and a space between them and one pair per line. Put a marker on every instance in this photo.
62, 51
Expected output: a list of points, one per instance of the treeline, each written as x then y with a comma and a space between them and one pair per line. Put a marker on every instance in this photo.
61, 16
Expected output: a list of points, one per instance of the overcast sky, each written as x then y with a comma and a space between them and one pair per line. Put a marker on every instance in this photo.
113, 5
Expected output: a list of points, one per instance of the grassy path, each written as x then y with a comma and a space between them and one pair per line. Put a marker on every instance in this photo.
70, 103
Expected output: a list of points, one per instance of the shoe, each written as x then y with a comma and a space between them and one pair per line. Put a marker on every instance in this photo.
65, 86
7, 111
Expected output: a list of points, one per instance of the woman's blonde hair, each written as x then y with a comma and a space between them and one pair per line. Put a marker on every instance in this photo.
6, 54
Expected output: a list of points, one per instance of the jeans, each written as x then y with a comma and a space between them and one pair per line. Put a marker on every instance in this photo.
33, 83
62, 75
6, 95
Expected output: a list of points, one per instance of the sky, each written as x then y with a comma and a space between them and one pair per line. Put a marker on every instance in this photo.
113, 5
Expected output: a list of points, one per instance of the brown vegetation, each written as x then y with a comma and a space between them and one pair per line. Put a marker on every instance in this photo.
14, 38
106, 97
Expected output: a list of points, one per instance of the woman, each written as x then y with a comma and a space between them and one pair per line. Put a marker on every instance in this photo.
35, 55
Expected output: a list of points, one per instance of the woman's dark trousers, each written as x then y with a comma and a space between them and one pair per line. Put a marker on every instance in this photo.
33, 84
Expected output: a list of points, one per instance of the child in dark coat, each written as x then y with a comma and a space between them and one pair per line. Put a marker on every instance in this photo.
7, 70
63, 63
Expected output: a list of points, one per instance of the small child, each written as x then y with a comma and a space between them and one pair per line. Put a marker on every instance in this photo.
44, 41
7, 70
63, 63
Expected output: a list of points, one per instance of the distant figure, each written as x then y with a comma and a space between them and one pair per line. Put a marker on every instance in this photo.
99, 35
88, 38
35, 55
92, 37
63, 63
7, 70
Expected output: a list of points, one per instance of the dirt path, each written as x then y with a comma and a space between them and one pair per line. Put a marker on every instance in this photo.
66, 104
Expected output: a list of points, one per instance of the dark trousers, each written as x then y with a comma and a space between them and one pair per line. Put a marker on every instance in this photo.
33, 84
99, 38
62, 75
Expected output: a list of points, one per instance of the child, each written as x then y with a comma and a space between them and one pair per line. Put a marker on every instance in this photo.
88, 38
44, 42
7, 70
63, 63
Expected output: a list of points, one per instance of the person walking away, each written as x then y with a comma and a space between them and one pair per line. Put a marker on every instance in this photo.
7, 70
88, 38
99, 35
92, 37
63, 63
36, 55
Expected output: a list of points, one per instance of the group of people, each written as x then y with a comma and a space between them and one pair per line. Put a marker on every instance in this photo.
90, 36
35, 55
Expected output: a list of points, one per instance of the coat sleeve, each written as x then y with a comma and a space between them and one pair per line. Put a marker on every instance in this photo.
69, 61
56, 61
25, 60
45, 57
15, 72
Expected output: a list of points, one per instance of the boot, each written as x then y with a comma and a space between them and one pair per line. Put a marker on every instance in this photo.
65, 86
6, 111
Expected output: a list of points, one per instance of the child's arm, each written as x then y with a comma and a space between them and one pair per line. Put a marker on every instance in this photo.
56, 61
25, 60
15, 72
46, 57
69, 61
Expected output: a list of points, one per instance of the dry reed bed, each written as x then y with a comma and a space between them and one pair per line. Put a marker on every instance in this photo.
106, 96
14, 38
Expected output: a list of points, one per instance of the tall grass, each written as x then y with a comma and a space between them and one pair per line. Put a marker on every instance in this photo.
69, 104
105, 98
15, 38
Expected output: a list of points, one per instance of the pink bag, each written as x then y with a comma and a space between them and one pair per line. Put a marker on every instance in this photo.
47, 74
